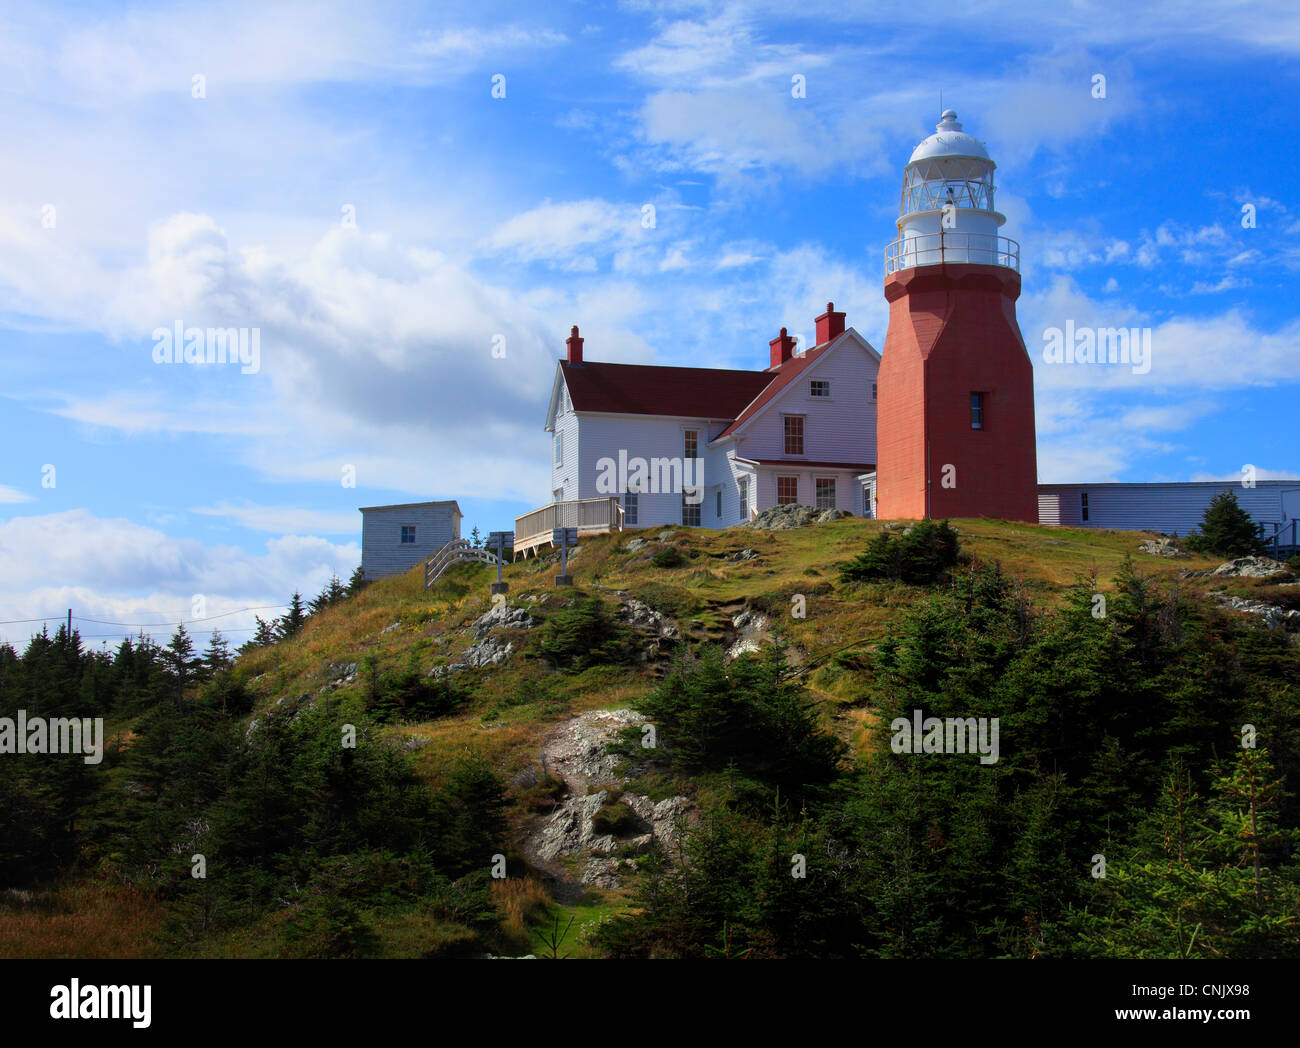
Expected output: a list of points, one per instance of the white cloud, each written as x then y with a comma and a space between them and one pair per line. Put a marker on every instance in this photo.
10, 495
127, 573
292, 520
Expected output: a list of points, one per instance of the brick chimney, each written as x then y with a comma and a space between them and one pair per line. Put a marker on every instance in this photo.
575, 346
829, 325
782, 348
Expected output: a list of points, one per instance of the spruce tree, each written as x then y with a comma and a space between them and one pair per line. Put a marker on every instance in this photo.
1227, 530
291, 621
217, 656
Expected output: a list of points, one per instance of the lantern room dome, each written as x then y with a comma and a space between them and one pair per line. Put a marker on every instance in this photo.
949, 140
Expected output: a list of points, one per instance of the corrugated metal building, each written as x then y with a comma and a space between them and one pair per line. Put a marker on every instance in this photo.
1165, 508
396, 538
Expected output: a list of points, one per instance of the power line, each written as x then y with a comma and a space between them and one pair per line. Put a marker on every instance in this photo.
143, 625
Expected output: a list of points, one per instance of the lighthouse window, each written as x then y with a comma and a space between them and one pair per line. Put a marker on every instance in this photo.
977, 411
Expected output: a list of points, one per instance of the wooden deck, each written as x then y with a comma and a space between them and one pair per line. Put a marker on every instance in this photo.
589, 516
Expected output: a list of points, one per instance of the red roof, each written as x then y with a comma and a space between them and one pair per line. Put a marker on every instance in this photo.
650, 389
784, 374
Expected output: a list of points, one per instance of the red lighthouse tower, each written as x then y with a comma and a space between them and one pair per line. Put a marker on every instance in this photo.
955, 423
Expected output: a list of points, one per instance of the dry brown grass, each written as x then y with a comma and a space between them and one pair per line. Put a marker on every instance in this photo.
521, 902
81, 919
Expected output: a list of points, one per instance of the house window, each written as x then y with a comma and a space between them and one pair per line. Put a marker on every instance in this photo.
692, 444
873, 391
793, 434
408, 534
559, 449
719, 511
821, 388
787, 491
629, 508
691, 499
825, 492
977, 411
1083, 505
742, 488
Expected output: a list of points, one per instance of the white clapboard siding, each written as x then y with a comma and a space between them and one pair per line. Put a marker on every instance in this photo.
382, 550
838, 428
1160, 507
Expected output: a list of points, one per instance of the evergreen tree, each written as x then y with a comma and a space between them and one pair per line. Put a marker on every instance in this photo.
217, 656
291, 621
1227, 530
333, 592
264, 634
356, 582
474, 538
181, 661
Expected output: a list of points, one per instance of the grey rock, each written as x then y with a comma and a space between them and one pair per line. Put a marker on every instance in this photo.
502, 615
1273, 616
637, 613
782, 518
389, 628
636, 545
1161, 548
1251, 568
744, 554
664, 536
752, 626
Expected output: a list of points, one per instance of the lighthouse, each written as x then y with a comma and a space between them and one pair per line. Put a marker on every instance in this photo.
955, 422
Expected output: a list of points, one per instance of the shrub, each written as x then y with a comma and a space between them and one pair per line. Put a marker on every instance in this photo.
920, 556
1294, 564
668, 558
584, 634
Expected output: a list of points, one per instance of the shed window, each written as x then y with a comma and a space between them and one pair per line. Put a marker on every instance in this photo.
1083, 505
408, 534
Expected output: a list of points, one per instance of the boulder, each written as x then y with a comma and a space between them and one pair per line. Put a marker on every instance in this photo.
1251, 568
1161, 548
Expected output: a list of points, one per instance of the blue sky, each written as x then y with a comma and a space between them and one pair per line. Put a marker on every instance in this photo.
128, 204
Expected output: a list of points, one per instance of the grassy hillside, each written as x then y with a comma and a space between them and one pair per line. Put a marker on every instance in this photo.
389, 655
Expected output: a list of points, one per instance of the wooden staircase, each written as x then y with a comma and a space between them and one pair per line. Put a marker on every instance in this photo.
457, 551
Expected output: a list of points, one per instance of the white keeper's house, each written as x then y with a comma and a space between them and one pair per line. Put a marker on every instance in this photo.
706, 447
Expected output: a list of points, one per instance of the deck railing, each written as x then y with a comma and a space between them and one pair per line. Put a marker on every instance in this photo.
589, 516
